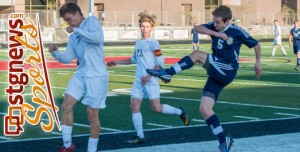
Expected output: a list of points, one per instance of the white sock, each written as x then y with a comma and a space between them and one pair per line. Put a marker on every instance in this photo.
67, 135
273, 52
92, 144
167, 109
137, 120
283, 50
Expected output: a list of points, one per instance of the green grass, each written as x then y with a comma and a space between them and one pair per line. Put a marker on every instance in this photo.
277, 91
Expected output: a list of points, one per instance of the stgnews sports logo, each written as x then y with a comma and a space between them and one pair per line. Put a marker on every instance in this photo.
24, 35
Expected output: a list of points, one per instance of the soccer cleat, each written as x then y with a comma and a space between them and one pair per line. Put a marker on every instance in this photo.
184, 117
297, 68
136, 140
70, 149
166, 78
225, 147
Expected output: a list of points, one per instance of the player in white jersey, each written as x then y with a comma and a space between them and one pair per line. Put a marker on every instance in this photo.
147, 54
277, 39
90, 81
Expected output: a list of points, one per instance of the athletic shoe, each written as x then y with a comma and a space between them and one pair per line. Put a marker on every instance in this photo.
70, 149
166, 78
297, 68
136, 140
225, 147
184, 117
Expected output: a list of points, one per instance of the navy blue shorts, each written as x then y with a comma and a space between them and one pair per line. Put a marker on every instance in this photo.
296, 49
220, 74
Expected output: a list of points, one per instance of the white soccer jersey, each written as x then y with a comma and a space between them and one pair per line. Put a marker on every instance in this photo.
144, 56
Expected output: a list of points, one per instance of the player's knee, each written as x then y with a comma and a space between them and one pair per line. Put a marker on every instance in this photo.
157, 109
65, 107
205, 110
198, 56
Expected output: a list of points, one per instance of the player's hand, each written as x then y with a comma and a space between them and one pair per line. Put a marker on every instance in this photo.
257, 69
221, 35
52, 48
290, 44
70, 29
111, 63
146, 79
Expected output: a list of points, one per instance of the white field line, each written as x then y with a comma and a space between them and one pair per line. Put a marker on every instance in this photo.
159, 125
198, 120
234, 103
5, 138
80, 125
133, 131
244, 117
244, 83
287, 114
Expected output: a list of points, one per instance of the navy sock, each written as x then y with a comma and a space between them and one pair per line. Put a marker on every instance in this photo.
214, 124
183, 64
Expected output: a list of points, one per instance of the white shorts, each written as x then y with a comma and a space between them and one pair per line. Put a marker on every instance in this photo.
92, 90
277, 41
151, 90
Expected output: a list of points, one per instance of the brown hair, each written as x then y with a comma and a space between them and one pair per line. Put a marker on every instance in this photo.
224, 12
144, 17
71, 8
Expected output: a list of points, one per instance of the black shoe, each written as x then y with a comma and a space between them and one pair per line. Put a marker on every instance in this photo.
184, 117
136, 140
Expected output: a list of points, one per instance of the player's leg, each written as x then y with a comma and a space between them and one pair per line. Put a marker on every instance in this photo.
137, 121
281, 47
67, 122
73, 93
183, 64
95, 129
152, 90
167, 109
274, 47
298, 60
95, 97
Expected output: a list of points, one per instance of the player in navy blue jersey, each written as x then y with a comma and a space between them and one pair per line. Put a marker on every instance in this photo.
295, 36
195, 39
221, 65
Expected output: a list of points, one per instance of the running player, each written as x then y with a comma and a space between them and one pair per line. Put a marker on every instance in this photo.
90, 81
295, 36
147, 54
221, 65
277, 39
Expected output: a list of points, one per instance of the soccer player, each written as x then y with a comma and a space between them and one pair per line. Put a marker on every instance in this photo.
221, 65
90, 81
147, 54
195, 39
295, 36
277, 39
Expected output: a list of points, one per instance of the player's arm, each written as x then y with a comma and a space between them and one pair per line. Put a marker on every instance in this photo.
204, 30
65, 57
257, 67
95, 33
290, 39
115, 62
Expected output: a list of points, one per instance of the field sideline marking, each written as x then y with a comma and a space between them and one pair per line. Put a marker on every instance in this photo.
133, 131
159, 125
287, 114
235, 103
244, 117
246, 83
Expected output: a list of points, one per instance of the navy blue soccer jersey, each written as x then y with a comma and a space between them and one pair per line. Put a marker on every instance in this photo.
296, 36
229, 50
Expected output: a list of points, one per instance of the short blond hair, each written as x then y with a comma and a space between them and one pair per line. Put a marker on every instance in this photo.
144, 17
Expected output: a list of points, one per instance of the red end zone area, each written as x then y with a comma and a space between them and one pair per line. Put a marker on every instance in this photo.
58, 65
